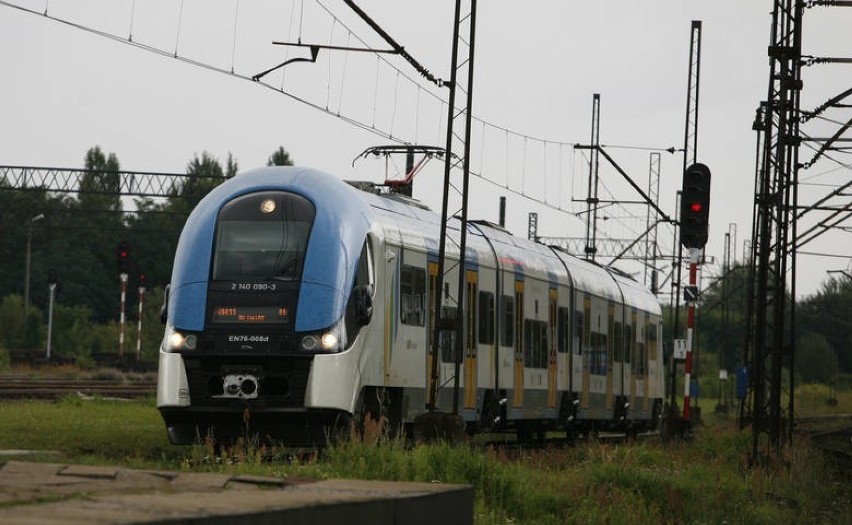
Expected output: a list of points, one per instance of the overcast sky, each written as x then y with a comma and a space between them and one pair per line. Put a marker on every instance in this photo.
65, 89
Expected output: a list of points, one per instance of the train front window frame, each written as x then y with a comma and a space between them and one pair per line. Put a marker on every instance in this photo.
253, 243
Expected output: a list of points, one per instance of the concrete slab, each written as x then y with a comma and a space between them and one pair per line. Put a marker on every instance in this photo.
47, 494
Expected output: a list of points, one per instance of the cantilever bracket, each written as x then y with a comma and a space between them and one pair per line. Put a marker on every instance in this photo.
314, 53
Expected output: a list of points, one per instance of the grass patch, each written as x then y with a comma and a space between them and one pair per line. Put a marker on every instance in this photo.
706, 481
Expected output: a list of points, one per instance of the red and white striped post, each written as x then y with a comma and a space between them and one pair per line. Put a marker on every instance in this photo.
122, 319
690, 325
139, 325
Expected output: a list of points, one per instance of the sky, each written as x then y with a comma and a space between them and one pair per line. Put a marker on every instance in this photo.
71, 81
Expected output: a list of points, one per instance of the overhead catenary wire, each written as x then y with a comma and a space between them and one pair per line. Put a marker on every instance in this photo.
177, 33
234, 46
373, 128
132, 15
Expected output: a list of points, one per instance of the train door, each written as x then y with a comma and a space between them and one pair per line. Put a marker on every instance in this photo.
630, 356
651, 351
565, 339
519, 344
505, 347
656, 370
618, 353
608, 354
486, 337
433, 301
551, 350
405, 323
470, 365
596, 359
583, 320
641, 366
447, 340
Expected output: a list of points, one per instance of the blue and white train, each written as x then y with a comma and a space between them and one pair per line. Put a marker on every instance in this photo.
299, 303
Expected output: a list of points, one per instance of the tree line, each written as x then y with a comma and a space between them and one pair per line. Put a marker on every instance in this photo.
823, 346
75, 237
78, 236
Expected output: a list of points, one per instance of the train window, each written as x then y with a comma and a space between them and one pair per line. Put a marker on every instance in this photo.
412, 298
640, 359
254, 244
579, 330
447, 338
364, 272
508, 320
486, 318
471, 313
564, 330
595, 353
618, 341
652, 341
535, 343
630, 341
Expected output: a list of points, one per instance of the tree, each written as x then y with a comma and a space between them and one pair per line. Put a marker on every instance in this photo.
203, 174
85, 241
280, 158
232, 167
100, 187
828, 313
816, 360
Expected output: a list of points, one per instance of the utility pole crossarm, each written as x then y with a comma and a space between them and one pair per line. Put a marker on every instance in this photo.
635, 186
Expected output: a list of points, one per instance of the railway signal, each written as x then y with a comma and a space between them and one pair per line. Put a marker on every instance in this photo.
122, 254
695, 206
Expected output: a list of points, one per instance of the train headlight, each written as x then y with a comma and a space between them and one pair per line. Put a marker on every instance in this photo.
327, 341
177, 341
309, 342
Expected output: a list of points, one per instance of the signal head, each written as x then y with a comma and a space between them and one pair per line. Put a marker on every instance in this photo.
695, 206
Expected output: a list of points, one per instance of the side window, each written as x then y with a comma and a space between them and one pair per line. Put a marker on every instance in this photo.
486, 318
412, 296
447, 338
579, 330
535, 343
629, 341
364, 272
360, 306
564, 330
618, 342
508, 320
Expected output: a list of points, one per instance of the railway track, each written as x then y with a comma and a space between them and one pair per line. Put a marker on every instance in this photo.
837, 445
19, 386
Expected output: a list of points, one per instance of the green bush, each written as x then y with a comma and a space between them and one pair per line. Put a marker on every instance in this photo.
12, 332
5, 360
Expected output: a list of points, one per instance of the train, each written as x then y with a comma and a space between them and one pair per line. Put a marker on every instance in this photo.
301, 304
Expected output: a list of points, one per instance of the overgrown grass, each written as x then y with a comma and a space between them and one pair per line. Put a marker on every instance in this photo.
706, 481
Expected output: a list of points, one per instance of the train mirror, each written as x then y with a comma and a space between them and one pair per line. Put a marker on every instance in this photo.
363, 299
164, 310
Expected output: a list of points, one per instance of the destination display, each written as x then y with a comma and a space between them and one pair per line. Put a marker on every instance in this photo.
250, 314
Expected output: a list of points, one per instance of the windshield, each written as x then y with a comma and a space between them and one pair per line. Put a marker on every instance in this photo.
259, 241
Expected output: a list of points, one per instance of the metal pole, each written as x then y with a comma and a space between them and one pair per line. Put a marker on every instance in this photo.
461, 317
38, 217
694, 254
122, 319
52, 288
139, 325
27, 274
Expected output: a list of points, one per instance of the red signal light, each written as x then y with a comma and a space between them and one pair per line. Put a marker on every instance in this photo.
695, 207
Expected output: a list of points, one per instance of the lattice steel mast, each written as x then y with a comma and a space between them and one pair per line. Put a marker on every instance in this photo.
771, 315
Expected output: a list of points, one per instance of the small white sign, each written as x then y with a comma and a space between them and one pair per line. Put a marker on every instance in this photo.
723, 374
680, 348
